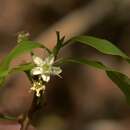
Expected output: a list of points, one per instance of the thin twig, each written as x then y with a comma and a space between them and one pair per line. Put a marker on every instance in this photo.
24, 121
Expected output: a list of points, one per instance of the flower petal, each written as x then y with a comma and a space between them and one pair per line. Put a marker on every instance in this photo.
36, 71
45, 78
37, 60
50, 60
56, 70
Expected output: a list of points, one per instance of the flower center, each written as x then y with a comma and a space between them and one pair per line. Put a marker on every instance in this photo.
47, 68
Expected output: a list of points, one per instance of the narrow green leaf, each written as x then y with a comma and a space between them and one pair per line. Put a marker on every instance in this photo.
23, 67
101, 45
120, 79
92, 63
20, 68
5, 117
21, 48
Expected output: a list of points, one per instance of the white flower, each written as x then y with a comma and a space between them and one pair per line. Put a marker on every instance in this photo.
38, 86
45, 68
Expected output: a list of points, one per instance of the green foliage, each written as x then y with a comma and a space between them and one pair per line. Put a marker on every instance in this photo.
121, 80
91, 63
101, 45
105, 47
5, 117
26, 46
22, 67
23, 46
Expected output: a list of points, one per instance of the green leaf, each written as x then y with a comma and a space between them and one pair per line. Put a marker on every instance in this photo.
101, 45
91, 63
5, 117
23, 67
120, 79
21, 48
2, 80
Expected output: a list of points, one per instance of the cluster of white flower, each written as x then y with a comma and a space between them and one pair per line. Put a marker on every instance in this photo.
44, 69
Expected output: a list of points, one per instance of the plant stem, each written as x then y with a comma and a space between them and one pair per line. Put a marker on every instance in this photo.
24, 122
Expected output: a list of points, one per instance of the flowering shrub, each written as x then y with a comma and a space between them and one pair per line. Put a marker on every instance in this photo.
39, 71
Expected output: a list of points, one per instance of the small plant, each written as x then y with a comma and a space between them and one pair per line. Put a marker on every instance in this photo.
39, 71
